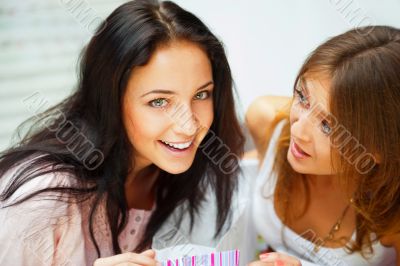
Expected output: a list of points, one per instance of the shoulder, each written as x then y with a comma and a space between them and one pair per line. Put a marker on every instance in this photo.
27, 196
261, 117
38, 227
25, 217
260, 111
26, 179
25, 191
391, 241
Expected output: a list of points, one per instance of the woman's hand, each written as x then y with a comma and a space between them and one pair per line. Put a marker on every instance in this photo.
276, 259
146, 258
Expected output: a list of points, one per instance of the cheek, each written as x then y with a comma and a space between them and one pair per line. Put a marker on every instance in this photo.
294, 113
325, 162
205, 113
144, 125
324, 150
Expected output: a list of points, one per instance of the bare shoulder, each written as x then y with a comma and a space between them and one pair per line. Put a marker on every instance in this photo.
264, 110
392, 241
261, 116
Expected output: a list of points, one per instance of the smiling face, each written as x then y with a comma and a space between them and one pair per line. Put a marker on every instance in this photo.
168, 107
310, 147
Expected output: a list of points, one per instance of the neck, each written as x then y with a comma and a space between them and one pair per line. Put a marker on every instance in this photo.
323, 181
140, 187
329, 183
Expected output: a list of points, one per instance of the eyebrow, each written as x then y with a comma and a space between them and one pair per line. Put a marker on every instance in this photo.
172, 92
303, 85
305, 88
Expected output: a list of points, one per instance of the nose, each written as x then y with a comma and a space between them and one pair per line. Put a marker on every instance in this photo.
301, 127
184, 120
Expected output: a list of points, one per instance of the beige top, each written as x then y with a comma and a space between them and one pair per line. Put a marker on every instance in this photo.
48, 232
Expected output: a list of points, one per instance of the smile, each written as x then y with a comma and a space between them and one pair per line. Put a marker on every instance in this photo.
297, 151
178, 146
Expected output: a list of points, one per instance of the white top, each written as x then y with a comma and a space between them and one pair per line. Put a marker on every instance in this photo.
177, 242
269, 226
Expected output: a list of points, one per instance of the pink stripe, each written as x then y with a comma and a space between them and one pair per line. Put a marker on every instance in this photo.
236, 258
220, 258
193, 261
212, 259
169, 263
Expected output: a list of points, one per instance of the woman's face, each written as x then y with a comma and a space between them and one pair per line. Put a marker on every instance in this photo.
310, 147
168, 106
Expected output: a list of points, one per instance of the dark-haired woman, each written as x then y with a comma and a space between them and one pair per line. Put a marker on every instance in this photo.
328, 191
99, 174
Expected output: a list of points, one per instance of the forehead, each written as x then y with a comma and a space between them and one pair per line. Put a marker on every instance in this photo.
177, 65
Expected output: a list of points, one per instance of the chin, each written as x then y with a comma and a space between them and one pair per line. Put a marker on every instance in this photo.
175, 169
309, 168
297, 167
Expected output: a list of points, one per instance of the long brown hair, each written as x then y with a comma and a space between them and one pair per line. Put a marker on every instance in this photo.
363, 65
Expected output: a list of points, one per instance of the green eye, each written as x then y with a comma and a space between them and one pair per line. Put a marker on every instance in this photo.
202, 95
158, 103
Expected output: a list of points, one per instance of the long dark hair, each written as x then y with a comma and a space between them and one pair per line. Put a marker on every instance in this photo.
84, 136
363, 66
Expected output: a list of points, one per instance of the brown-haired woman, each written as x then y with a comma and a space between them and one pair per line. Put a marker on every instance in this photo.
328, 192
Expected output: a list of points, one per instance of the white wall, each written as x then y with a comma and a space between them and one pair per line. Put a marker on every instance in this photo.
40, 41
266, 42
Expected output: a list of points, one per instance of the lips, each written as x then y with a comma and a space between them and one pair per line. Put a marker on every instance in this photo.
297, 151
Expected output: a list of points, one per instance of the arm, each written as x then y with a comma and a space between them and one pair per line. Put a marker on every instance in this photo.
261, 117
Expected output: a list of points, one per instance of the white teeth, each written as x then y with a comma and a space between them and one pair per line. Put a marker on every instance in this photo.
179, 146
